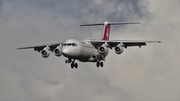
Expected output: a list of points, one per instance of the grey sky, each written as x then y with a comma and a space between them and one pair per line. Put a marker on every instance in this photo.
148, 74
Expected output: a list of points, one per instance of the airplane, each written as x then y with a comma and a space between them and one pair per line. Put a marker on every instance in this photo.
89, 50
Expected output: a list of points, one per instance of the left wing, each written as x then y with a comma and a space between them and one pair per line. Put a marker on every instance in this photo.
41, 47
125, 43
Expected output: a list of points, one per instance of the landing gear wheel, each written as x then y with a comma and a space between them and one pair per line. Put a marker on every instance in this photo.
101, 63
66, 61
97, 64
72, 65
76, 65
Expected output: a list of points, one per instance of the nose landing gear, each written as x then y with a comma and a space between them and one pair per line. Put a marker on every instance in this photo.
68, 61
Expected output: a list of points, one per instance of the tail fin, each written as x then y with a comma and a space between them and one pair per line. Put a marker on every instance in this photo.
106, 31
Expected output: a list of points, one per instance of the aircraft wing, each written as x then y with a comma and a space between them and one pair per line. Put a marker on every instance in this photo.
125, 43
41, 47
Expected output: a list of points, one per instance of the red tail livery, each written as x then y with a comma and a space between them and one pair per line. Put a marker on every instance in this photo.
106, 32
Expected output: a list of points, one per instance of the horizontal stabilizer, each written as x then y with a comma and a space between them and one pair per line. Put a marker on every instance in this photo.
92, 24
121, 23
110, 23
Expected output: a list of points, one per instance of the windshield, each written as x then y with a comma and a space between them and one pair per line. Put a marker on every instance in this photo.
69, 44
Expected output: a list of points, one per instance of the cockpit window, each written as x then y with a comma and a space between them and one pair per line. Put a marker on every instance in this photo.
69, 44
74, 44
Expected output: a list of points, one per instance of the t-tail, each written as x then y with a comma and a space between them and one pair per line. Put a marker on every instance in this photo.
106, 30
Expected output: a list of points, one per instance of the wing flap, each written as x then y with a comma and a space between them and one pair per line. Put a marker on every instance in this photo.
128, 44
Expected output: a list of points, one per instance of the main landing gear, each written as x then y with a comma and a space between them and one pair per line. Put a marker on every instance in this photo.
73, 64
68, 61
99, 64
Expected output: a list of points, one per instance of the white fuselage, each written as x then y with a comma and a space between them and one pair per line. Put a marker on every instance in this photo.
82, 50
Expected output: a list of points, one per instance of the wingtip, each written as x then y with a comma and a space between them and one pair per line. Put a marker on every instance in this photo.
19, 48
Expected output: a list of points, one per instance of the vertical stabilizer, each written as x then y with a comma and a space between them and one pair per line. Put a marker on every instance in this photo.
106, 31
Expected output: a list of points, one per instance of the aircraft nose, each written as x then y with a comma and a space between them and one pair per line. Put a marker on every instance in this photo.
69, 52
65, 51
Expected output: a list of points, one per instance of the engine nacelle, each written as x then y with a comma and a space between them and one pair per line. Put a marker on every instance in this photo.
57, 51
103, 49
119, 49
45, 52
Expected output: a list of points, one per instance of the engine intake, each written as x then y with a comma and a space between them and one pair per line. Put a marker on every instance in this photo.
103, 49
119, 49
45, 52
58, 51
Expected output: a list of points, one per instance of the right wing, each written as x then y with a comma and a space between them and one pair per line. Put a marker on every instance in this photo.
41, 47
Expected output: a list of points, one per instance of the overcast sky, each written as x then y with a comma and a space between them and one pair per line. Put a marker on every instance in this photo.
150, 73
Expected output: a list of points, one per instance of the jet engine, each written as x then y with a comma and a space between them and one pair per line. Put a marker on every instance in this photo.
57, 51
119, 49
103, 49
45, 52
